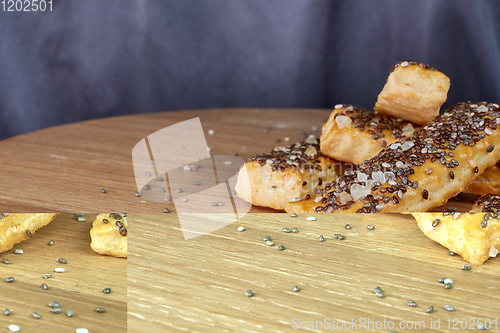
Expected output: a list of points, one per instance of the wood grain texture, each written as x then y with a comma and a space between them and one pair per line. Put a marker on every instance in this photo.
199, 285
79, 288
62, 169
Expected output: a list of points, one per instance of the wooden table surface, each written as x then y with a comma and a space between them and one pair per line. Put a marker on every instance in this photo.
64, 168
79, 288
199, 285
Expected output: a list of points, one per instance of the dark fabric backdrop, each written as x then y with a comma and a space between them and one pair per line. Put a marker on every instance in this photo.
95, 58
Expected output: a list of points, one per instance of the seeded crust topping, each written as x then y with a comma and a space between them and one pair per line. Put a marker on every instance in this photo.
388, 174
489, 203
374, 122
405, 63
300, 156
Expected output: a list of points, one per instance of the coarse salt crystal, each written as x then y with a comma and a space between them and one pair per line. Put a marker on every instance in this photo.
343, 121
493, 252
404, 63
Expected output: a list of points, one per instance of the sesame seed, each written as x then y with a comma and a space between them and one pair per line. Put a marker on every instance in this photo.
56, 310
36, 315
450, 281
18, 251
14, 328
81, 219
59, 270
10, 279
241, 228
429, 309
295, 288
211, 132
249, 293
449, 308
467, 267
310, 218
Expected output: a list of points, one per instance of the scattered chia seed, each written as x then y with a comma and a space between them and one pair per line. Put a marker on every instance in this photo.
377, 289
249, 293
241, 228
441, 279
81, 219
287, 230
103, 191
166, 210
348, 226
339, 236
18, 251
270, 243
435, 223
6, 261
100, 310
47, 276
448, 281
107, 290
321, 238
137, 194
451, 253
449, 308
467, 267
447, 285
36, 315
179, 190
411, 303
70, 313
295, 289
484, 223
429, 309
62, 261
6, 312
45, 286
294, 230
146, 187
370, 227
267, 238
10, 279
490, 148
281, 247
54, 304
293, 215
56, 310
379, 294
51, 243
28, 233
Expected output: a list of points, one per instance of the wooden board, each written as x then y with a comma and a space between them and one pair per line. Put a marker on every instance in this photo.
64, 168
199, 285
79, 288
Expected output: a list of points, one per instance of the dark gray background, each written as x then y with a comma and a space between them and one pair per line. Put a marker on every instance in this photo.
93, 58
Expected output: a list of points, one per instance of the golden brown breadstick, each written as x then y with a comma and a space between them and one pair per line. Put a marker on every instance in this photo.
286, 174
476, 237
15, 228
355, 135
417, 173
109, 234
413, 92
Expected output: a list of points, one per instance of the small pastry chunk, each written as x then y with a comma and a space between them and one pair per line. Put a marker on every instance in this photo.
487, 183
355, 135
418, 173
487, 203
109, 234
413, 92
287, 174
475, 237
15, 228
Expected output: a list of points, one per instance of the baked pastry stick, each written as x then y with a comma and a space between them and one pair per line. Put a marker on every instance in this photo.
475, 237
287, 174
109, 234
487, 203
15, 228
413, 92
487, 183
418, 173
355, 135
